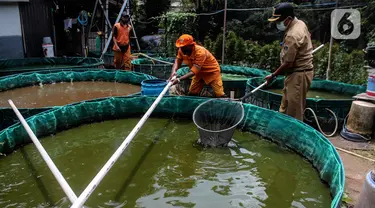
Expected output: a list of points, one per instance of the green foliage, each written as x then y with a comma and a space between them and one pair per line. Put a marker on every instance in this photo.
176, 24
346, 66
179, 23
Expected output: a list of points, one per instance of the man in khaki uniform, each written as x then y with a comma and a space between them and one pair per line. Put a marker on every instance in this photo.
296, 60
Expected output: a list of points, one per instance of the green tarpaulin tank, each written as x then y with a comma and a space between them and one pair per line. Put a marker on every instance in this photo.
336, 96
294, 135
14, 66
92, 78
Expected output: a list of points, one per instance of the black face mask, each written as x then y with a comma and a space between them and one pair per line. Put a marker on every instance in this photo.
187, 51
124, 21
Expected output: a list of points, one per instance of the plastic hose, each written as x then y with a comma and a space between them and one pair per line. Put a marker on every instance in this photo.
317, 122
83, 18
354, 137
152, 59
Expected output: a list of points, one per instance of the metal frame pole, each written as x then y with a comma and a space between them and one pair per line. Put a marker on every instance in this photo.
135, 35
92, 20
224, 31
110, 36
105, 15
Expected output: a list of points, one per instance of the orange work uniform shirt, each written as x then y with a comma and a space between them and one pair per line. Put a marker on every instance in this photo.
202, 63
122, 35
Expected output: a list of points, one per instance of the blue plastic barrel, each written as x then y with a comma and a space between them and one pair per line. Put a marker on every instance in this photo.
371, 85
153, 87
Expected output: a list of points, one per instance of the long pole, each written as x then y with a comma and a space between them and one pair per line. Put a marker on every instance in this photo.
110, 36
224, 31
64, 185
265, 83
328, 73
99, 177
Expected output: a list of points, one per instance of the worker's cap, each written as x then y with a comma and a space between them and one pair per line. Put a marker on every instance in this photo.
99, 33
282, 11
184, 40
124, 14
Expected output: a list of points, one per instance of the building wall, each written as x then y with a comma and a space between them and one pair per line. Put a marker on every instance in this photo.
11, 45
36, 21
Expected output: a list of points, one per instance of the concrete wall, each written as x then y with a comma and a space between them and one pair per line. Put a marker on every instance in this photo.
11, 44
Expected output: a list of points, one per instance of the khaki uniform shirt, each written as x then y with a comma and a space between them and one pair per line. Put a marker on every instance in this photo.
297, 46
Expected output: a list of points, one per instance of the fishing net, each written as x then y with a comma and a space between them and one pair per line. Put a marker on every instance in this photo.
216, 121
277, 127
15, 66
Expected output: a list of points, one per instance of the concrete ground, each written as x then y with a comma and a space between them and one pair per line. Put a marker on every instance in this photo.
356, 168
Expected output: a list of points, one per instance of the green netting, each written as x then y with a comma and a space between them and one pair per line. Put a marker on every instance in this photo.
154, 68
294, 134
7, 116
14, 66
270, 100
230, 83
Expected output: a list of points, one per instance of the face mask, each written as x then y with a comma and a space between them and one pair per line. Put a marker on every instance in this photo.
281, 26
186, 51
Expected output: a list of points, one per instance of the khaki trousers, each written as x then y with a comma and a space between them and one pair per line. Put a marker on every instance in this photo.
296, 86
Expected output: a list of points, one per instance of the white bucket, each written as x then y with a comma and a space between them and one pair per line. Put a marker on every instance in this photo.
366, 198
48, 50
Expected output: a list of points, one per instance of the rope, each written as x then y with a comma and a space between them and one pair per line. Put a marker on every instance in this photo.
355, 154
317, 122
154, 59
299, 8
346, 134
83, 18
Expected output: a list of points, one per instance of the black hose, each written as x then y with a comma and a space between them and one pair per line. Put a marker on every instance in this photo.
354, 137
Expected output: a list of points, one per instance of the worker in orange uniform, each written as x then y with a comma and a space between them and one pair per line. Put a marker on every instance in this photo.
296, 60
203, 65
121, 46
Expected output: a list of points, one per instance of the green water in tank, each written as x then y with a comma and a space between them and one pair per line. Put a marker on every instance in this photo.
162, 167
319, 94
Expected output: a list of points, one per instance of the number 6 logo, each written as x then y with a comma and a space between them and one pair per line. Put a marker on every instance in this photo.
345, 24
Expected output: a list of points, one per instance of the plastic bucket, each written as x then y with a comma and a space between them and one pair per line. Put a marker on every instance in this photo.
366, 198
153, 87
47, 40
371, 86
48, 50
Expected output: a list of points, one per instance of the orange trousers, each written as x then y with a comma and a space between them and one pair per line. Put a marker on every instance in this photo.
196, 87
122, 60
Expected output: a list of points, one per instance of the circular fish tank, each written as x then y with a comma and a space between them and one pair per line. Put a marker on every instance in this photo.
263, 165
15, 66
34, 92
322, 94
234, 79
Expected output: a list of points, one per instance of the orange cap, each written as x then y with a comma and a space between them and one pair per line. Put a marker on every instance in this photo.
184, 40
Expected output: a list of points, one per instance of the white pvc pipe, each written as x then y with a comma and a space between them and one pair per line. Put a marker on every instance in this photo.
64, 185
99, 177
316, 49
